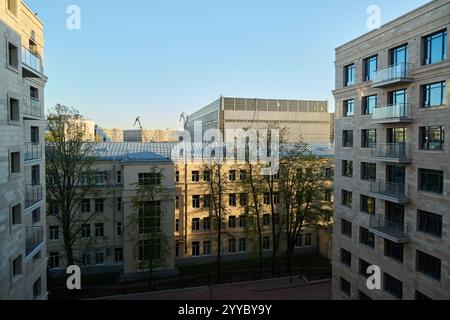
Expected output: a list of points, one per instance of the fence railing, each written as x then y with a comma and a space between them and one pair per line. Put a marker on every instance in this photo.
400, 71
395, 190
33, 107
400, 111
33, 194
397, 230
398, 151
35, 237
31, 60
33, 151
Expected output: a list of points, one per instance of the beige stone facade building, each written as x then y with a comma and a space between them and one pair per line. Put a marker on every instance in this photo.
392, 182
307, 121
23, 256
154, 135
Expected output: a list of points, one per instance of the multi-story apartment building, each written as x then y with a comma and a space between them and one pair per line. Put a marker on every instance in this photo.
23, 257
307, 121
155, 135
111, 236
186, 214
392, 191
108, 135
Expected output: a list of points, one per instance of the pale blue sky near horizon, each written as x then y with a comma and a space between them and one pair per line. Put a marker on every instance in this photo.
159, 58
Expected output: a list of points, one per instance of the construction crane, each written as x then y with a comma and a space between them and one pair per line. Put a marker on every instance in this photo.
138, 121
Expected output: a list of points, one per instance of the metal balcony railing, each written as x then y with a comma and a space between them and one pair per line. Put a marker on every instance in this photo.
397, 72
398, 152
33, 107
396, 232
35, 237
33, 195
391, 190
33, 151
31, 60
399, 111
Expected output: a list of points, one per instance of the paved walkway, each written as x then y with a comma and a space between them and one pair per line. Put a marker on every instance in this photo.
274, 289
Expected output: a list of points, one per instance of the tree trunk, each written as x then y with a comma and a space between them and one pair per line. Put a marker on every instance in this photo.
289, 255
68, 247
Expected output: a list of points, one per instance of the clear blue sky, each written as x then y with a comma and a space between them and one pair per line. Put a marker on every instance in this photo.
159, 58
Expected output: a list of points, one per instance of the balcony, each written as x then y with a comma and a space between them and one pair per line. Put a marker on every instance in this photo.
31, 64
33, 195
33, 107
395, 232
33, 151
389, 191
393, 75
392, 152
35, 237
398, 113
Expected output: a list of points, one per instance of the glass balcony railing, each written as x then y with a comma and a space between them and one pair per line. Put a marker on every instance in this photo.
390, 113
33, 195
395, 192
396, 232
397, 152
33, 151
32, 60
392, 74
33, 107
35, 237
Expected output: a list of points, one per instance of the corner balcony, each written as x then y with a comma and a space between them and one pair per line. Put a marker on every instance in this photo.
35, 237
31, 64
394, 75
33, 107
395, 232
392, 152
398, 113
33, 151
389, 191
33, 195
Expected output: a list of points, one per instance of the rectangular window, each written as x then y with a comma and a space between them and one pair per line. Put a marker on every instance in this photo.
393, 250
433, 95
428, 265
363, 267
99, 205
85, 206
266, 198
232, 200
195, 176
242, 175
232, 175
119, 204
12, 6
435, 47
196, 224
368, 204
347, 138
54, 260
368, 138
347, 198
242, 245
207, 176
177, 225
196, 202
432, 138
149, 249
13, 56
86, 258
231, 246
346, 228
150, 179
366, 237
118, 255
398, 55
101, 178
207, 201
206, 225
35, 175
196, 249
15, 162
17, 266
99, 257
349, 108
370, 67
14, 110
232, 222
266, 243
99, 230
34, 135
347, 168
16, 215
308, 240
177, 176
242, 221
36, 215
429, 223
119, 177
431, 181
346, 287
86, 231
53, 233
393, 286
346, 257
369, 104
349, 75
206, 248
243, 202
266, 220
119, 229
